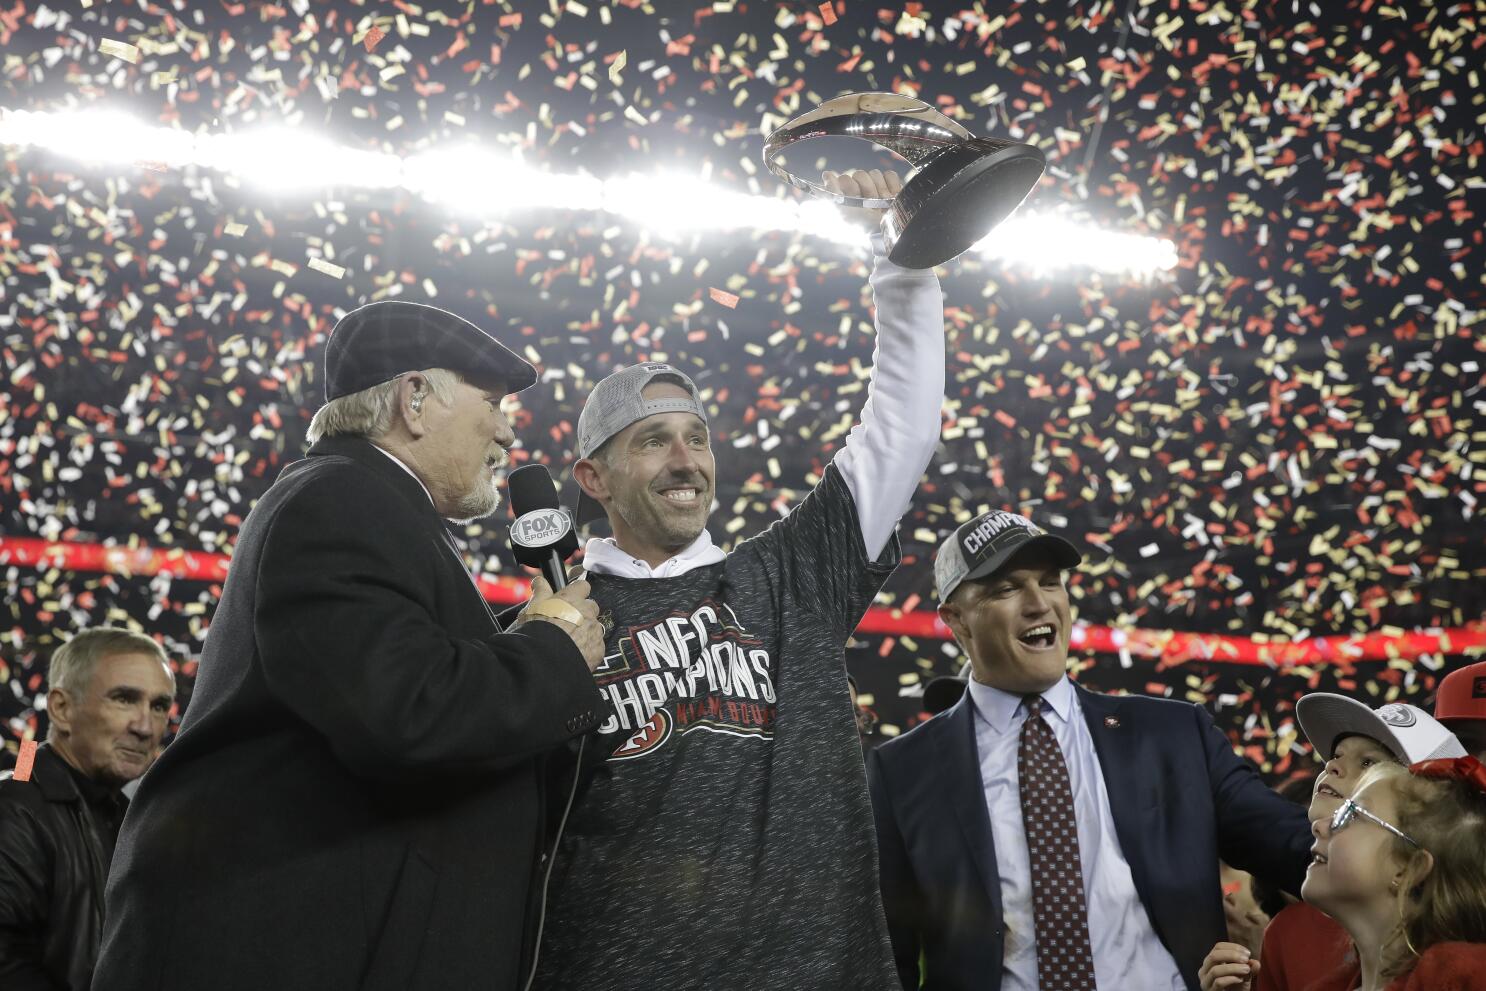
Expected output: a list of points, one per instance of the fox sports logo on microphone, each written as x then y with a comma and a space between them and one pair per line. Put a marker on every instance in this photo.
540, 527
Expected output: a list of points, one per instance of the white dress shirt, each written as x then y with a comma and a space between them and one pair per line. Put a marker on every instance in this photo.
1127, 952
894, 438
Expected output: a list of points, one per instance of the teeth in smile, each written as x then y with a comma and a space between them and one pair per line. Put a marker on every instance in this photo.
1036, 633
681, 495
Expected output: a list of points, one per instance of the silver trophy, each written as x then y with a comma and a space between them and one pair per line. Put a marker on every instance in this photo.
962, 186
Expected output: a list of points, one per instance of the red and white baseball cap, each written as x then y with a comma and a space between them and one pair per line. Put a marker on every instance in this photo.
1462, 695
1407, 731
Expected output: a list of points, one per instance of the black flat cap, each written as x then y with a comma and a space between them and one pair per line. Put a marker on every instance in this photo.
377, 342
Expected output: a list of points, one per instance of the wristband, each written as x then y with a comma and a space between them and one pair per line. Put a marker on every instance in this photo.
555, 608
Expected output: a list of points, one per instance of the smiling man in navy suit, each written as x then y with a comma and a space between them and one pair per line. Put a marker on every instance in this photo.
1037, 835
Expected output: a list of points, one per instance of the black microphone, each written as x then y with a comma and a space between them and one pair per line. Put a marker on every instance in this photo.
542, 534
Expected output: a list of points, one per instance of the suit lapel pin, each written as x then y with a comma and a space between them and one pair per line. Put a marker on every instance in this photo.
1111, 722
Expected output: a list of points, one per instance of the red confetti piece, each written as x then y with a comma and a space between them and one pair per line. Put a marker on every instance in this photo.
373, 37
828, 13
25, 760
725, 298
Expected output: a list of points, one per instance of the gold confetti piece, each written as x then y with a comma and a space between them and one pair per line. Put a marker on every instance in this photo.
456, 119
391, 72
1078, 64
329, 268
283, 267
163, 78
234, 229
725, 298
617, 66
119, 49
635, 115
1164, 31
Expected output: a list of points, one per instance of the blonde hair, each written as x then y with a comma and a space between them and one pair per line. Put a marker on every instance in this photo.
1444, 900
369, 413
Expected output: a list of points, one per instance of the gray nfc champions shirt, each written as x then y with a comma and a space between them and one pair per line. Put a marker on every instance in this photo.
723, 838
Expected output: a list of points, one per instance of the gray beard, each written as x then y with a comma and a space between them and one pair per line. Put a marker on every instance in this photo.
477, 503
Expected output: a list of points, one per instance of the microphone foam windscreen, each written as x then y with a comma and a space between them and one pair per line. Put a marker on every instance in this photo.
531, 488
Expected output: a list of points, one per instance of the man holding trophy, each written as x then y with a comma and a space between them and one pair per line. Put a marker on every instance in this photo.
722, 835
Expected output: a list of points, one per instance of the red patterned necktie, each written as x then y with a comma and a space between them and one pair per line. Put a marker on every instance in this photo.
1064, 960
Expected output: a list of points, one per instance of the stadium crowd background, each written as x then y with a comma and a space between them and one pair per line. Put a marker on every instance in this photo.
1280, 437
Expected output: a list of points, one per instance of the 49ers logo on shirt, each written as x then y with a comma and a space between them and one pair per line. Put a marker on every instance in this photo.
646, 738
697, 670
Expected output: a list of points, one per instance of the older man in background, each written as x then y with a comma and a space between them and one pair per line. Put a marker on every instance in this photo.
353, 800
109, 693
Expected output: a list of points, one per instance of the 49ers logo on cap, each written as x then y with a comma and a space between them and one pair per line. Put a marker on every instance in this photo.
540, 527
1397, 715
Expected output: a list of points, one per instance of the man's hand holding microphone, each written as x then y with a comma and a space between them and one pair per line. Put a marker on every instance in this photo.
570, 610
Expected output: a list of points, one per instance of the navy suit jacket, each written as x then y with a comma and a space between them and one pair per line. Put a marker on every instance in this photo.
1180, 800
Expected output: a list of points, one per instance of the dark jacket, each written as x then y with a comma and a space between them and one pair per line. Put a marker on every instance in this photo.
52, 869
1180, 800
354, 799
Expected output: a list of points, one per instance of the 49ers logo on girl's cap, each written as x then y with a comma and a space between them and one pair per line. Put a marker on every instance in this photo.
1397, 715
646, 738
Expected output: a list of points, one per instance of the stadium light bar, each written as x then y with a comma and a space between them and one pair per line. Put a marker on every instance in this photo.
1040, 240
487, 183
475, 179
99, 137
284, 159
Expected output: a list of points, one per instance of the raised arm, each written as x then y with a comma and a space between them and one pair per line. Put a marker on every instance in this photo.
892, 442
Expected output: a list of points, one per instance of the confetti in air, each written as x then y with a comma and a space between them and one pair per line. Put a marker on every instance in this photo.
1232, 347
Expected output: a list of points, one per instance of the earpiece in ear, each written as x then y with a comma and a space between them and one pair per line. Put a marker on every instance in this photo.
416, 402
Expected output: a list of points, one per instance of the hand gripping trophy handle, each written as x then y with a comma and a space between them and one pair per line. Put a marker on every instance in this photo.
963, 185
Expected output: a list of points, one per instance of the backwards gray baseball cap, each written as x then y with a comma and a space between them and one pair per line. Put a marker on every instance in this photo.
618, 401
983, 545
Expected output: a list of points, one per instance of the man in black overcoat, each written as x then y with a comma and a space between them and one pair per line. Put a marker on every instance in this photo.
353, 800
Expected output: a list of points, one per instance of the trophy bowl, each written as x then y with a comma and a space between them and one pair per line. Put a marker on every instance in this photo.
962, 185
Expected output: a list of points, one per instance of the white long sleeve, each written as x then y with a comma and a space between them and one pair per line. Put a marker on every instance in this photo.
891, 444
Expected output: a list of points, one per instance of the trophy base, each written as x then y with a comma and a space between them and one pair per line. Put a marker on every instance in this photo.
957, 196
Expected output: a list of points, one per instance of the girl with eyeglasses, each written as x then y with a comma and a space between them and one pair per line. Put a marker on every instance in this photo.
1302, 944
1401, 865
